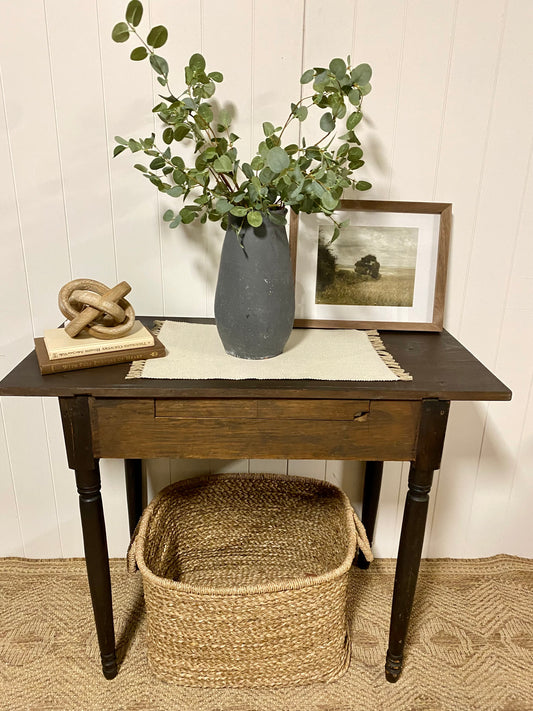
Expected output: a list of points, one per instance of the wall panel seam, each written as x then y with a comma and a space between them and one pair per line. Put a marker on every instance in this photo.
445, 98
397, 99
483, 167
10, 465
58, 142
17, 204
158, 197
520, 446
52, 480
106, 125
515, 249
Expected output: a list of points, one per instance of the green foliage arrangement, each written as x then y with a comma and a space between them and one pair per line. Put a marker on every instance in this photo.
307, 178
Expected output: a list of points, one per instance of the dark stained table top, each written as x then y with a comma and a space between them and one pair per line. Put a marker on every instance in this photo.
441, 368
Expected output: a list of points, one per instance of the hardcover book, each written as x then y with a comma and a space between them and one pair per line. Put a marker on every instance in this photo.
94, 360
60, 345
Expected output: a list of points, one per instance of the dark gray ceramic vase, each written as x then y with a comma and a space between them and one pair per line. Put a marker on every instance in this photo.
254, 299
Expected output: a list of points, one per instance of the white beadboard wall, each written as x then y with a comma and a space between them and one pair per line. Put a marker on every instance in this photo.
450, 119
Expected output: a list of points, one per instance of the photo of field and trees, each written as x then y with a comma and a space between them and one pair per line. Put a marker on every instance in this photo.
367, 266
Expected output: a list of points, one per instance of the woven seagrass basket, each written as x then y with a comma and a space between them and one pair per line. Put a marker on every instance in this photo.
245, 580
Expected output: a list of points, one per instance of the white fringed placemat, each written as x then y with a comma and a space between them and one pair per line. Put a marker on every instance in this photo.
195, 352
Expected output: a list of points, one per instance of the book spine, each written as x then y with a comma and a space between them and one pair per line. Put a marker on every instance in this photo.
111, 359
106, 347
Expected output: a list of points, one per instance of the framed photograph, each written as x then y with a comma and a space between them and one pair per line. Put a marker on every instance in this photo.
386, 270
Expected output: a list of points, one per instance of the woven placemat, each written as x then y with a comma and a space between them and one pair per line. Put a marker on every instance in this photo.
195, 352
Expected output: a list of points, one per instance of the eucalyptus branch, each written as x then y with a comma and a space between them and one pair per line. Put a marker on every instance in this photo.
276, 176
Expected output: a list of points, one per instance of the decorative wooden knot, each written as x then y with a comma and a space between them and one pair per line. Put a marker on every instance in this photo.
93, 306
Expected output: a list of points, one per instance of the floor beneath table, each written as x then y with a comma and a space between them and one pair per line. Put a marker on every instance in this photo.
469, 645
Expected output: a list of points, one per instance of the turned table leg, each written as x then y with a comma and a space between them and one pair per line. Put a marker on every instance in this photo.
430, 443
134, 485
78, 440
372, 488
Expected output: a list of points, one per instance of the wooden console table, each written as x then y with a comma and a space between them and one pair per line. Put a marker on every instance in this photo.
105, 415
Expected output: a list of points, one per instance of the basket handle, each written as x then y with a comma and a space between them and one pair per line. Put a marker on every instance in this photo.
362, 539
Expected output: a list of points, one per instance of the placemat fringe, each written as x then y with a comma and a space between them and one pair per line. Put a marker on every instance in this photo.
137, 367
379, 347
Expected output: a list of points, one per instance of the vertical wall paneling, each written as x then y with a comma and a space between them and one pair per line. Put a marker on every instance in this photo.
127, 93
38, 185
485, 326
450, 118
10, 526
380, 25
115, 507
37, 172
349, 476
83, 148
502, 189
518, 536
34, 486
66, 495
423, 83
464, 145
186, 264
157, 475
475, 60
519, 317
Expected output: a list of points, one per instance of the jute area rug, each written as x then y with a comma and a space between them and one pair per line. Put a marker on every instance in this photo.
470, 644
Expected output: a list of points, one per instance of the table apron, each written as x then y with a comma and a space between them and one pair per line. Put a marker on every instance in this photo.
249, 428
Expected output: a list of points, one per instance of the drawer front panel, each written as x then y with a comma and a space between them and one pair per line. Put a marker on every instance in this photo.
130, 429
206, 408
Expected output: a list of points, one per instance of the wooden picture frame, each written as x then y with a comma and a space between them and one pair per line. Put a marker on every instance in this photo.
401, 287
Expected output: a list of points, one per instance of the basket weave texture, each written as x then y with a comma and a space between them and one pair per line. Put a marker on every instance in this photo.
245, 579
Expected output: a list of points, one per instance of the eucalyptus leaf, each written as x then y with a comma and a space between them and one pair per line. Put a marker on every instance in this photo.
238, 211
307, 76
361, 74
338, 67
223, 164
255, 219
168, 215
277, 159
354, 97
139, 53
363, 185
247, 170
222, 206
134, 12
353, 119
327, 122
120, 32
216, 76
268, 128
159, 64
117, 150
257, 163
175, 222
175, 191
168, 135
197, 63
328, 202
157, 36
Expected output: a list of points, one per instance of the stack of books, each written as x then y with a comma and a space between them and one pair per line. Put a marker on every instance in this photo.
57, 352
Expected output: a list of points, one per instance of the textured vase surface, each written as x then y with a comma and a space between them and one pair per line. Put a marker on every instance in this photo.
254, 299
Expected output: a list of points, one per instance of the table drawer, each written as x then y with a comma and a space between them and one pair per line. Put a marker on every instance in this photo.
269, 409
255, 428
